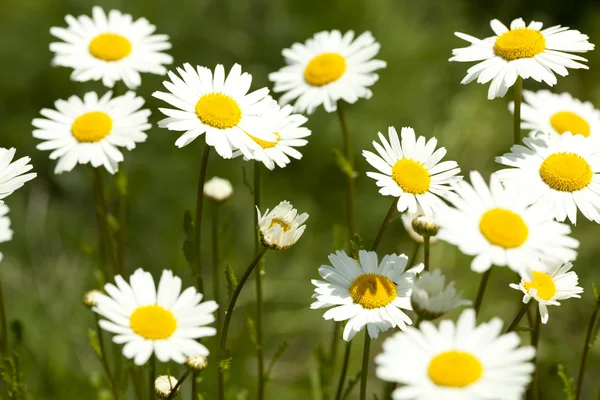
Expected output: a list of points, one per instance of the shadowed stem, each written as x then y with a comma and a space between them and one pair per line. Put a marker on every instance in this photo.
340, 388
217, 291
180, 381
137, 389
151, 376
533, 392
350, 191
385, 224
194, 377
518, 317
105, 249
415, 253
482, 286
260, 352
517, 91
426, 246
586, 349
121, 180
365, 366
104, 359
198, 222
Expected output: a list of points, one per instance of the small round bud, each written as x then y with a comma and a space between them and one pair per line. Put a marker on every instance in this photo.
90, 298
163, 386
425, 226
197, 363
218, 189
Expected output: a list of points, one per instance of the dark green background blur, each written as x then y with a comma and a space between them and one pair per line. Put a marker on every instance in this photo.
47, 269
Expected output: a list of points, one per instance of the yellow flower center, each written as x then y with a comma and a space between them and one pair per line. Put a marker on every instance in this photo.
373, 291
546, 289
92, 127
411, 176
218, 110
503, 228
325, 68
455, 369
153, 322
567, 121
519, 43
566, 172
263, 143
277, 221
110, 47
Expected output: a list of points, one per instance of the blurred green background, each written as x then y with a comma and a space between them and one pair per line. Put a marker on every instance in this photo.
48, 266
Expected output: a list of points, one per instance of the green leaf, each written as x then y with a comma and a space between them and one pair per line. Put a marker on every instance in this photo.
281, 349
344, 164
93, 338
251, 330
224, 364
357, 244
568, 385
231, 280
189, 251
121, 182
188, 225
12, 377
351, 383
523, 329
113, 223
596, 295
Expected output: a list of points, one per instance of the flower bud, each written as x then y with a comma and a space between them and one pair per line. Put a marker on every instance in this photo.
425, 226
90, 298
163, 385
218, 189
197, 363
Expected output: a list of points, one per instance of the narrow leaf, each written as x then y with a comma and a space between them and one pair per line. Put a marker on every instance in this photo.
344, 164
251, 330
281, 349
568, 385
93, 338
231, 280
189, 251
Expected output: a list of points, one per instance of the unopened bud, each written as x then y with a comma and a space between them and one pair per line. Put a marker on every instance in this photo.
197, 363
90, 298
425, 226
163, 385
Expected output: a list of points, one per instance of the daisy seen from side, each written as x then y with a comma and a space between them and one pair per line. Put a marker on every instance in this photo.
282, 227
431, 297
5, 232
13, 174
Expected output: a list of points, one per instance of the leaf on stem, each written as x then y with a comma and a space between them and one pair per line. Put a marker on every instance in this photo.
188, 225
523, 329
357, 244
93, 338
252, 330
568, 384
344, 164
351, 383
224, 364
281, 349
231, 281
12, 377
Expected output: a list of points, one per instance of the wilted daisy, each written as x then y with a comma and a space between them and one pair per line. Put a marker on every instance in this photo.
282, 227
558, 113
289, 132
368, 293
525, 51
547, 283
561, 173
89, 130
5, 231
110, 48
498, 227
411, 170
456, 361
13, 174
219, 107
162, 322
218, 189
328, 67
431, 298
163, 385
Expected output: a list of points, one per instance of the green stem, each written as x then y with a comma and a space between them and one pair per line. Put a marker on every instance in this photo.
151, 376
517, 91
121, 177
415, 253
137, 389
533, 392
365, 366
586, 349
350, 190
235, 295
105, 250
260, 354
340, 387
518, 317
426, 247
180, 381
333, 351
384, 224
198, 222
104, 359
5, 339
482, 286
194, 378
388, 390
217, 292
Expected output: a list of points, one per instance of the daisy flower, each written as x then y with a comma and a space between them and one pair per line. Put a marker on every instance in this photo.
498, 227
110, 48
525, 51
217, 106
456, 361
411, 170
431, 298
327, 68
547, 284
561, 173
162, 322
5, 231
289, 133
281, 228
163, 385
366, 293
13, 174
218, 189
558, 113
89, 130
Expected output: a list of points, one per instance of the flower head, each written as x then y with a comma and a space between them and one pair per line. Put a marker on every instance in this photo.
327, 68
197, 363
163, 385
428, 222
13, 173
110, 47
525, 51
90, 298
218, 189
366, 293
5, 231
431, 298
282, 227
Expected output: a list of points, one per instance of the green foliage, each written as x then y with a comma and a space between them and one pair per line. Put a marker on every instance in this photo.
344, 164
357, 244
93, 339
281, 349
352, 382
232, 281
567, 381
12, 377
224, 364
251, 330
596, 330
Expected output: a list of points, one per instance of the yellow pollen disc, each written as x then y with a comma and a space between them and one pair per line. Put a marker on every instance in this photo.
110, 47
92, 127
263, 143
546, 289
373, 291
153, 322
325, 68
519, 43
218, 110
276, 221
411, 176
503, 228
566, 172
455, 369
567, 121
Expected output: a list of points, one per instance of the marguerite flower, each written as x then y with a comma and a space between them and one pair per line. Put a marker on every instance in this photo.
289, 132
561, 173
456, 361
498, 227
525, 51
558, 113
411, 170
13, 174
216, 106
110, 48
163, 321
89, 130
431, 298
282, 227
5, 231
163, 385
218, 189
366, 293
407, 220
547, 283
327, 68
